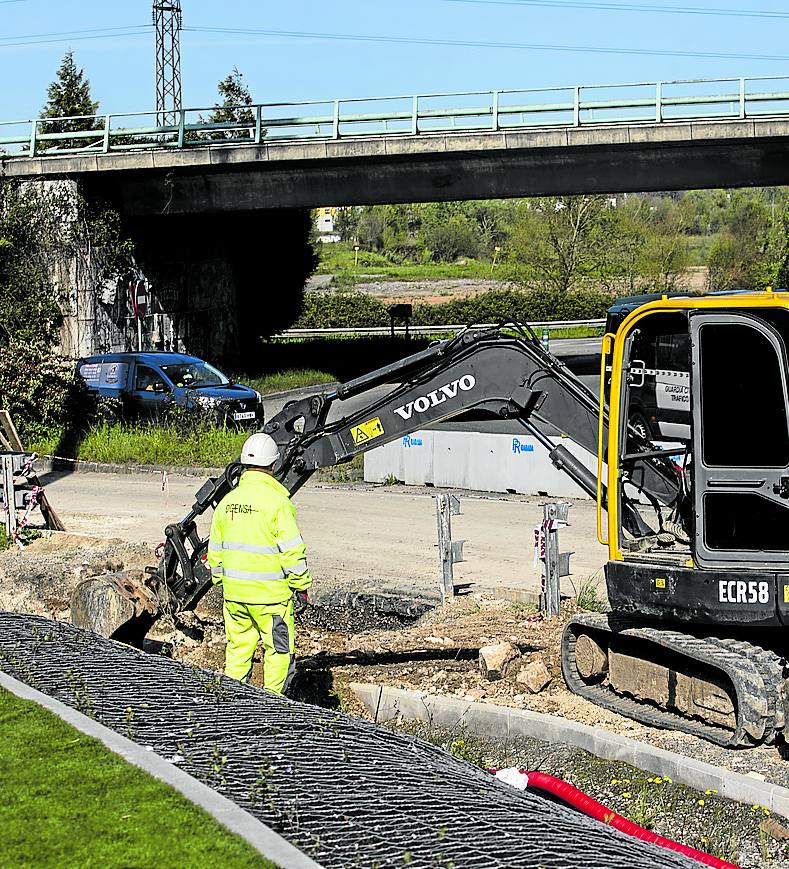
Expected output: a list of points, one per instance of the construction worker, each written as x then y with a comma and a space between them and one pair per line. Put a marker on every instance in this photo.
257, 555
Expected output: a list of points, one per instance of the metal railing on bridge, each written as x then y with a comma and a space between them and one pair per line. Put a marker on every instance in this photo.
420, 114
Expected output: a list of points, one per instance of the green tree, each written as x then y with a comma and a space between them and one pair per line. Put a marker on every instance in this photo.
555, 240
233, 109
68, 97
47, 236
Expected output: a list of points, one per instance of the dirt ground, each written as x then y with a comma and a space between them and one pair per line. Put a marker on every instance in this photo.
359, 536
437, 653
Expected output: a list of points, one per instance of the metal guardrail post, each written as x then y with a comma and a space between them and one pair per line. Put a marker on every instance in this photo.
659, 102
415, 115
258, 124
577, 107
555, 564
335, 132
742, 97
33, 131
106, 143
495, 120
181, 123
9, 494
450, 551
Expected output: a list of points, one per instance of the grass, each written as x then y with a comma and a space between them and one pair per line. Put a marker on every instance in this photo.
588, 597
339, 260
67, 801
151, 445
294, 378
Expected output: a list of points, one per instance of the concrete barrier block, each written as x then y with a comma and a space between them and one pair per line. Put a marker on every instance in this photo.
535, 139
173, 159
121, 161
67, 165
239, 154
666, 132
723, 130
22, 166
426, 143
769, 128
485, 718
475, 141
353, 148
297, 151
597, 136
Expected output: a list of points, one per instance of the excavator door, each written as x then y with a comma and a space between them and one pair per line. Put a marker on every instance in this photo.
740, 441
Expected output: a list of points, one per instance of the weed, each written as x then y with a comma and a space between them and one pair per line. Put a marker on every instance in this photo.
216, 772
466, 749
348, 472
390, 480
128, 720
215, 687
588, 597
82, 699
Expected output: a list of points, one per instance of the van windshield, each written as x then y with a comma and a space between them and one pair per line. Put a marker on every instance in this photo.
193, 375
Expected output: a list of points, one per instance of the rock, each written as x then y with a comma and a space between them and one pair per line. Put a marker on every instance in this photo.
496, 662
534, 675
475, 694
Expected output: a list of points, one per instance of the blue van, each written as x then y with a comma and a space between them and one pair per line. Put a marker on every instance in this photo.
146, 382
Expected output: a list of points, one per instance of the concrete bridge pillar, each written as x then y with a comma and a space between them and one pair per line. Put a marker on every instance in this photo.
224, 280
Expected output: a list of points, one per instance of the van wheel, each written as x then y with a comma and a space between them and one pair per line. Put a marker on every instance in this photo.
640, 425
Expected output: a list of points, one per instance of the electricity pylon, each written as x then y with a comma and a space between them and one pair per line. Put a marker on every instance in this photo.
167, 20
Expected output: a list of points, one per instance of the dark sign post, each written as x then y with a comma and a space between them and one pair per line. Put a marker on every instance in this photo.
400, 312
138, 291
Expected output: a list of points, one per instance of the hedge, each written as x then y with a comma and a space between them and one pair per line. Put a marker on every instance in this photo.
354, 309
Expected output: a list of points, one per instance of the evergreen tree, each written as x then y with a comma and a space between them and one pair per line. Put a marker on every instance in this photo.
69, 97
235, 96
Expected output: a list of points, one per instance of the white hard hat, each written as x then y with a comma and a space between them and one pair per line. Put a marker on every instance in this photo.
259, 449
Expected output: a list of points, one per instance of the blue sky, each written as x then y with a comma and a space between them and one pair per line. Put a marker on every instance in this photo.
278, 67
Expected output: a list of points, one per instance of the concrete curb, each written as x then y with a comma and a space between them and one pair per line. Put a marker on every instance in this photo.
501, 722
47, 466
262, 838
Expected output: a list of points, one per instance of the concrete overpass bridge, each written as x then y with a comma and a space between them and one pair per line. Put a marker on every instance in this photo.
218, 211
581, 139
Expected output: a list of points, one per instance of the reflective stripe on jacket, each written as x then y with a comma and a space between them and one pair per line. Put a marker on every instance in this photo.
255, 550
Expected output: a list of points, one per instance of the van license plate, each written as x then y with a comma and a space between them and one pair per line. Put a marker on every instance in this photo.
247, 414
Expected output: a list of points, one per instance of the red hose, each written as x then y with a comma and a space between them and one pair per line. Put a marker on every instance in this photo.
584, 803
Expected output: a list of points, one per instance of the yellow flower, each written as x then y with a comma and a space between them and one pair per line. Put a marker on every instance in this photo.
710, 791
666, 778
700, 802
626, 795
615, 781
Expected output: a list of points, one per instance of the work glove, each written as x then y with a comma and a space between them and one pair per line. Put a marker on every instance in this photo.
301, 600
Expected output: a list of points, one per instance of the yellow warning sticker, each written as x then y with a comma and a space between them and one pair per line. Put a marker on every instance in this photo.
366, 431
660, 582
786, 594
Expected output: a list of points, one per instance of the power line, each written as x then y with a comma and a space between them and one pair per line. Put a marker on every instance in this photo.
72, 36
629, 7
67, 33
463, 43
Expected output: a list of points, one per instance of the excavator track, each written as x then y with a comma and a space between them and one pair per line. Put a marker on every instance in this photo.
751, 677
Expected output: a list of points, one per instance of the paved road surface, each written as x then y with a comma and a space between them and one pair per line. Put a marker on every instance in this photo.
357, 536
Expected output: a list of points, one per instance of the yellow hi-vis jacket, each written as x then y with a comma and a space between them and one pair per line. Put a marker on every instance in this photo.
255, 550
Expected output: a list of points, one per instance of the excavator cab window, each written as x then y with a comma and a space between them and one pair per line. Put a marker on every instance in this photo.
740, 396
655, 436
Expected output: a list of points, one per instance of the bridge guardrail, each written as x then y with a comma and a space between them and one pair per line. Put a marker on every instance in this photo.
474, 111
430, 330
